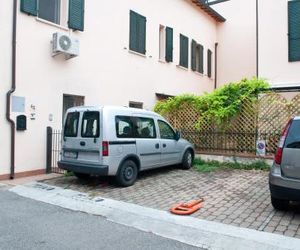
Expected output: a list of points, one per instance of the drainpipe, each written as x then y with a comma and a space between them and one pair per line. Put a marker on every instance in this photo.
216, 65
11, 91
257, 42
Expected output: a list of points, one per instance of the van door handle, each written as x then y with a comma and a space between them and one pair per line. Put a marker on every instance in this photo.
164, 145
82, 143
157, 145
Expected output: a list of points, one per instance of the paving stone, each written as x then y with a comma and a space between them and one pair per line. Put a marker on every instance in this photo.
269, 229
281, 228
236, 197
290, 233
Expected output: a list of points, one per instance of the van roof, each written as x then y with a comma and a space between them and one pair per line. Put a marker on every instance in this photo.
114, 108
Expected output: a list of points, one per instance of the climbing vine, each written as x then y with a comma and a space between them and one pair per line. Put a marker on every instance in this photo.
218, 106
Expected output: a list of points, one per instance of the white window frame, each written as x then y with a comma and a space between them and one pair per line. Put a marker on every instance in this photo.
162, 43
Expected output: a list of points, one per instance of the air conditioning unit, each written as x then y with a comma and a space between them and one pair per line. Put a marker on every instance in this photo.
65, 44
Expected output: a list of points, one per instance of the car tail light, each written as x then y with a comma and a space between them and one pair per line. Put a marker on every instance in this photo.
279, 151
105, 148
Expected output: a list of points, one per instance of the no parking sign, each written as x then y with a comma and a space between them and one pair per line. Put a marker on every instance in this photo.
261, 148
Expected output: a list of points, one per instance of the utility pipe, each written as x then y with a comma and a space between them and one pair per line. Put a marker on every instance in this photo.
11, 91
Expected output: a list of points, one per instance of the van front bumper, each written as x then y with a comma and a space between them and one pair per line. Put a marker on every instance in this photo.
84, 168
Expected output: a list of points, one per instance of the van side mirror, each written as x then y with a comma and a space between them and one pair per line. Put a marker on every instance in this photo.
177, 135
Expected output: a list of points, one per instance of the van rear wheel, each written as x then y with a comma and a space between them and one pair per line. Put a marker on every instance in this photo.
280, 204
127, 173
82, 176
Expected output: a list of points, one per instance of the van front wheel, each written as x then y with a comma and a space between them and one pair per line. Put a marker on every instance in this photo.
187, 160
127, 173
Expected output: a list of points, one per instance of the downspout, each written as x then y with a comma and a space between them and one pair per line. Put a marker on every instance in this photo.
11, 91
257, 42
216, 65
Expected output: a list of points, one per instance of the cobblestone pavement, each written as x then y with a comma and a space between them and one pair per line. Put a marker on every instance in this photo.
239, 198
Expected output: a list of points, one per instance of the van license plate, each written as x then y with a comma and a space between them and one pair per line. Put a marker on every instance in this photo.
70, 154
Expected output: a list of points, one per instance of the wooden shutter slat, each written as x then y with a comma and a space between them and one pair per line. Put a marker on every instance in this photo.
76, 14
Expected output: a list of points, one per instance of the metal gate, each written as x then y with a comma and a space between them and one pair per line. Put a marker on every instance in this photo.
53, 151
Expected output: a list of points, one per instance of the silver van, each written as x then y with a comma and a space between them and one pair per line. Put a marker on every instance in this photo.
120, 141
284, 178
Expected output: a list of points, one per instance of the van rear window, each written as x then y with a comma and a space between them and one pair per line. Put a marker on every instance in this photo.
71, 125
293, 138
90, 124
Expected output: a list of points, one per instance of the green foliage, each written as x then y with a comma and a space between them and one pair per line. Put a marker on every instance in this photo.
210, 166
219, 105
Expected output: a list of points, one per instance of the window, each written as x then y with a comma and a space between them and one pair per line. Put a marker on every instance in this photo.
293, 138
55, 11
90, 124
166, 132
124, 127
197, 57
165, 43
49, 10
294, 30
137, 40
209, 57
137, 105
184, 51
162, 43
135, 127
71, 125
144, 127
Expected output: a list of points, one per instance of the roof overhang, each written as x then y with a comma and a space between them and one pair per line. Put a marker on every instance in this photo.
210, 11
284, 87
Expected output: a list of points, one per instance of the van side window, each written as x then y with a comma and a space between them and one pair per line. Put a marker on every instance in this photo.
90, 124
71, 126
124, 127
166, 132
293, 138
144, 127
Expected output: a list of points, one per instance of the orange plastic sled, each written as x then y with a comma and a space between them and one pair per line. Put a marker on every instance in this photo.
187, 208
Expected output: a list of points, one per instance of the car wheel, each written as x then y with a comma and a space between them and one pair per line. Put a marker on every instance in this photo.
280, 204
82, 176
187, 161
127, 173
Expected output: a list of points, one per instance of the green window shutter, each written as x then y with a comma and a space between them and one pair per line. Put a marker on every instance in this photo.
142, 34
29, 7
294, 30
76, 14
169, 44
209, 54
133, 43
184, 51
137, 33
193, 61
201, 59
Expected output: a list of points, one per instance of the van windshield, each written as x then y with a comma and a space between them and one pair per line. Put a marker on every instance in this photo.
71, 125
293, 138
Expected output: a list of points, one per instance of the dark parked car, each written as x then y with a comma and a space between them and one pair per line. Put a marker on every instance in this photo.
284, 178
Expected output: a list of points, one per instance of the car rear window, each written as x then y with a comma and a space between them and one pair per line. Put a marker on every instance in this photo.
90, 124
71, 125
293, 138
